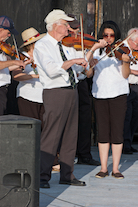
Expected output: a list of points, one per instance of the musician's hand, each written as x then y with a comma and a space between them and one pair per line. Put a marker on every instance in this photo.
100, 44
126, 66
79, 61
74, 30
35, 76
126, 58
93, 62
28, 61
16, 64
82, 62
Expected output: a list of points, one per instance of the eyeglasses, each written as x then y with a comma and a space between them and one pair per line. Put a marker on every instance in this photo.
65, 24
108, 35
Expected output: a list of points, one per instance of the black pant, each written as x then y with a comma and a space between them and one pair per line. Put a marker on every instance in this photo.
85, 120
3, 100
131, 119
110, 116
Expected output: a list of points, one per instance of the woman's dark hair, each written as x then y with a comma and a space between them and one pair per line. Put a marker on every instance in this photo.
111, 25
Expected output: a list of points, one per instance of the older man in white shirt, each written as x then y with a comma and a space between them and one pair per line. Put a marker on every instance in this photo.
60, 98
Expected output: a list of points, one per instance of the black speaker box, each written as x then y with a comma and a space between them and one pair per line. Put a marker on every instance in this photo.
19, 161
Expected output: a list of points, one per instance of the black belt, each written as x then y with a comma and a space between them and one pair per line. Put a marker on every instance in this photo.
5, 86
69, 87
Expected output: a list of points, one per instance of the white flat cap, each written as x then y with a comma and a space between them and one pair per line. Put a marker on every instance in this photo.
57, 14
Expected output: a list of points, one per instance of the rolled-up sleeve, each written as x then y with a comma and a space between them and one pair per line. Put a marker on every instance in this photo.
45, 61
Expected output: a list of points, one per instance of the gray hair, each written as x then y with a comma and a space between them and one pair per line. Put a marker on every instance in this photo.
135, 35
49, 26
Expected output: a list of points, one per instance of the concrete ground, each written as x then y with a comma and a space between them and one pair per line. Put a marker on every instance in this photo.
107, 192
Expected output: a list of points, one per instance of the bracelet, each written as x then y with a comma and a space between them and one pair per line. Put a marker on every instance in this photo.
91, 51
126, 62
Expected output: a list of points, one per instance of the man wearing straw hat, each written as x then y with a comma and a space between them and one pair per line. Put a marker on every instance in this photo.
57, 66
6, 29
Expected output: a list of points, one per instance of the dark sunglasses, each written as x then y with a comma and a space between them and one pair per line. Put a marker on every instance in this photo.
108, 35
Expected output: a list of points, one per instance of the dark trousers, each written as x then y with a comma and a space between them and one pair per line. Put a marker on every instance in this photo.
3, 100
85, 121
131, 119
110, 116
31, 109
60, 124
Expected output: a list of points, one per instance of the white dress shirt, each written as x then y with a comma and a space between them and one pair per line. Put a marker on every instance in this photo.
49, 63
5, 77
108, 81
30, 89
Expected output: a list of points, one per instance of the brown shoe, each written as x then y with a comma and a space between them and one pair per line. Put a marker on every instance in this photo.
118, 175
102, 174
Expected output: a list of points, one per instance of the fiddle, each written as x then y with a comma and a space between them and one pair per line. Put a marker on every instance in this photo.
135, 54
118, 49
74, 40
10, 50
110, 52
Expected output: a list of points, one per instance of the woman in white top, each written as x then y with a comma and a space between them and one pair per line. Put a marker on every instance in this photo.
29, 89
110, 89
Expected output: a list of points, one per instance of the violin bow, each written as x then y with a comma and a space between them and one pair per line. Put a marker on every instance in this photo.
113, 49
15, 44
82, 41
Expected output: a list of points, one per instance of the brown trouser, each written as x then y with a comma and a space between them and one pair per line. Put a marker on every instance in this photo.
60, 124
31, 109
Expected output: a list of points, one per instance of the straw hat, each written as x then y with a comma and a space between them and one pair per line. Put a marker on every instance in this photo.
30, 35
